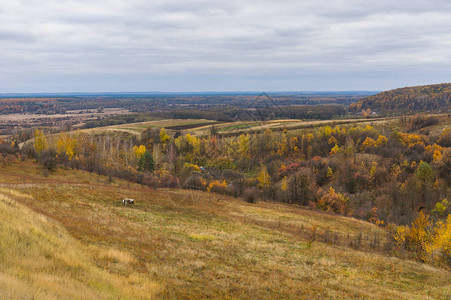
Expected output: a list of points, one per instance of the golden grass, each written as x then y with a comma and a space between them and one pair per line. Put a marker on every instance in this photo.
40, 259
180, 244
292, 125
137, 128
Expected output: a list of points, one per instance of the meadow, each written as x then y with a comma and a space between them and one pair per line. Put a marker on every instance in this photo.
69, 236
138, 128
202, 127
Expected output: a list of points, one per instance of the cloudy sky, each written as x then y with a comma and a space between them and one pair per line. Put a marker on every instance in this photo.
230, 45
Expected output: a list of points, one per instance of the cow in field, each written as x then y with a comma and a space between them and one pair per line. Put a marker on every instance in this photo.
128, 201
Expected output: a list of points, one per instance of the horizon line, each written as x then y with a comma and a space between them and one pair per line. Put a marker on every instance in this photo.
180, 92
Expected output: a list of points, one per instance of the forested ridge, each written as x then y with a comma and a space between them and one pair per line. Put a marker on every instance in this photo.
407, 100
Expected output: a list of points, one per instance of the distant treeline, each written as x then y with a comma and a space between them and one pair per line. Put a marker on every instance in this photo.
229, 114
147, 103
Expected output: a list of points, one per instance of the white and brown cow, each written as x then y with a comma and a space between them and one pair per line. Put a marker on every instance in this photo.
128, 201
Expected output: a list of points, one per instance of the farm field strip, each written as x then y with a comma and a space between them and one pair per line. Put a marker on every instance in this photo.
236, 128
137, 128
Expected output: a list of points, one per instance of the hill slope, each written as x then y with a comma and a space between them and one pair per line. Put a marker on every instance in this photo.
408, 99
179, 243
40, 260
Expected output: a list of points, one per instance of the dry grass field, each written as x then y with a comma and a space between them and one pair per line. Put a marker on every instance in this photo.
137, 128
41, 260
299, 126
202, 127
69, 236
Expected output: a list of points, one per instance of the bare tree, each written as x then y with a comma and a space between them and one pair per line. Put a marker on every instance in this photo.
171, 156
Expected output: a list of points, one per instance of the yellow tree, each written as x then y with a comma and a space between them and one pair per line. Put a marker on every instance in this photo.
284, 184
194, 142
294, 143
369, 142
179, 142
431, 241
381, 141
373, 170
419, 235
335, 149
332, 141
264, 180
164, 137
283, 189
66, 145
436, 151
330, 172
40, 142
243, 142
139, 151
282, 147
327, 131
440, 243
440, 207
196, 145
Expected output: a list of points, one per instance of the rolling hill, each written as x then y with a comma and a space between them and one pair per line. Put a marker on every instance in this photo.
68, 236
407, 100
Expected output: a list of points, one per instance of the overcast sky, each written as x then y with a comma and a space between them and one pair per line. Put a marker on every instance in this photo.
232, 45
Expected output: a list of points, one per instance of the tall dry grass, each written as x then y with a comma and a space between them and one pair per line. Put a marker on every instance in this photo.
40, 260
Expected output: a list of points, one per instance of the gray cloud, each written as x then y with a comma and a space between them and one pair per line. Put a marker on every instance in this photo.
120, 45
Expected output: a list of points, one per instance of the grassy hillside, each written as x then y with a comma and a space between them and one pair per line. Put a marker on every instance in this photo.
137, 128
198, 127
40, 259
408, 99
68, 234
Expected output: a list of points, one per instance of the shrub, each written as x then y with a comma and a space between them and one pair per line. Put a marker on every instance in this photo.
195, 182
251, 195
444, 139
430, 242
48, 160
217, 186
333, 202
237, 188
